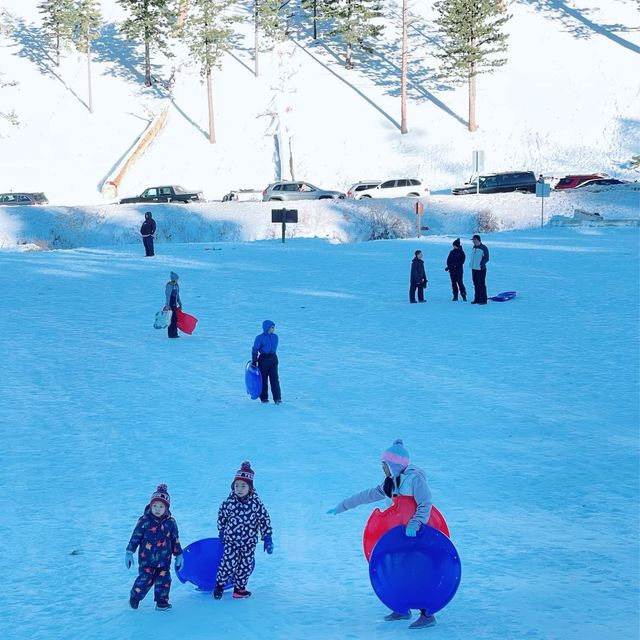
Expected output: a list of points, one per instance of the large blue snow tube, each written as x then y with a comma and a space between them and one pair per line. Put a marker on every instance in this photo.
415, 573
252, 380
201, 561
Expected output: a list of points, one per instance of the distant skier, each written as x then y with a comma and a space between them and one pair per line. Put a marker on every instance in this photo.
479, 259
401, 479
455, 260
173, 302
148, 231
418, 278
263, 356
241, 519
156, 538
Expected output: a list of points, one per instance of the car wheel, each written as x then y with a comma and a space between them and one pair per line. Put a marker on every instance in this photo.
365, 196
413, 195
275, 199
325, 198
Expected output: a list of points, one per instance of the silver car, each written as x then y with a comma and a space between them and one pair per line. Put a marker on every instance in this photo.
298, 191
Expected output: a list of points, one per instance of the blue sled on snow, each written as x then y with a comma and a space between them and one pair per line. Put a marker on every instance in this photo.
253, 380
504, 296
201, 561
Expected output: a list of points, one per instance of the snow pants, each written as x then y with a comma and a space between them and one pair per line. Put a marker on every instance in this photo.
479, 285
172, 329
457, 284
160, 577
237, 561
147, 241
412, 292
268, 365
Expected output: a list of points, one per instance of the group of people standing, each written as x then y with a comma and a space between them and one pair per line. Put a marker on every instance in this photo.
455, 262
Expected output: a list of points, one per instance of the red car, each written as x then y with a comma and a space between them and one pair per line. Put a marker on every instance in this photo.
571, 182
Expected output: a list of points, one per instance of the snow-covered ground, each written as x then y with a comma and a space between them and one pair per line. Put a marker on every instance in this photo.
524, 415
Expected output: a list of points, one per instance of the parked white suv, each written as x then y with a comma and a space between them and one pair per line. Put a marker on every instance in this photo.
354, 190
399, 188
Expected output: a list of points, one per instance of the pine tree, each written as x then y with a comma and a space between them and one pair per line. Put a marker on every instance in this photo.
472, 42
274, 18
353, 24
207, 32
57, 23
87, 28
150, 22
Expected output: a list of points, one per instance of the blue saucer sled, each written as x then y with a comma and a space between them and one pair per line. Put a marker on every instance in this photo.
253, 381
504, 296
415, 573
201, 561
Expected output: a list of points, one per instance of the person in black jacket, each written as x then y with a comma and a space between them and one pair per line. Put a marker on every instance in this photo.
147, 231
418, 278
455, 260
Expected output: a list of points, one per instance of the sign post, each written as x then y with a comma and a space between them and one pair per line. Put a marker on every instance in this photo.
543, 190
419, 207
283, 216
477, 162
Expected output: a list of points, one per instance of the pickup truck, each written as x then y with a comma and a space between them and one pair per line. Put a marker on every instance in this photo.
172, 193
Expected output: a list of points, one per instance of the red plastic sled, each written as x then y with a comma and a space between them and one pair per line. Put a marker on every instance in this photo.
399, 513
186, 323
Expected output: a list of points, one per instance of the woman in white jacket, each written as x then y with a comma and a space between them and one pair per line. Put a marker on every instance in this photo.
401, 479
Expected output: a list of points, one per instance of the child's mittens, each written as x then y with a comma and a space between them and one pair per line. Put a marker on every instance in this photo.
268, 544
179, 562
411, 531
128, 561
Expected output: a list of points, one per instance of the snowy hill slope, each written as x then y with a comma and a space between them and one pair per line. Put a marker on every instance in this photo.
568, 100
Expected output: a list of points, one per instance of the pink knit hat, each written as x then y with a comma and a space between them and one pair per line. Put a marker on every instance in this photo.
161, 495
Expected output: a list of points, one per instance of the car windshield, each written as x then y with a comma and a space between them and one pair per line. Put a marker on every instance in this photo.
39, 197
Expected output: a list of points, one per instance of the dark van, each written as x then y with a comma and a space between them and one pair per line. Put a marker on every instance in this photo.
523, 181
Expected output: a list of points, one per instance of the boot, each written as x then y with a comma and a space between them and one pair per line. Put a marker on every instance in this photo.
218, 591
133, 603
163, 606
425, 620
394, 615
241, 593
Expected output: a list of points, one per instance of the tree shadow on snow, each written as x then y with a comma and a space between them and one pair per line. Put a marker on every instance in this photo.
576, 22
32, 47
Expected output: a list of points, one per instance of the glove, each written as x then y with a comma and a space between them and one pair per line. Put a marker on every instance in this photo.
268, 544
332, 512
410, 532
128, 562
165, 308
447, 269
179, 562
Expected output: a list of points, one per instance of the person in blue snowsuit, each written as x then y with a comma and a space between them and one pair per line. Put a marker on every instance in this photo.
401, 479
263, 356
173, 302
156, 538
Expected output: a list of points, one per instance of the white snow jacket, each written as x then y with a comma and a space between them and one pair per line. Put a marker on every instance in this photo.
411, 482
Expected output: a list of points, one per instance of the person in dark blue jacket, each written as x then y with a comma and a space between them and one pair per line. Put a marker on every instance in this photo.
156, 538
173, 302
263, 356
418, 278
455, 260
148, 232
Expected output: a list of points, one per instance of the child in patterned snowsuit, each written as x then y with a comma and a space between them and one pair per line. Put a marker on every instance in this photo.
241, 517
156, 536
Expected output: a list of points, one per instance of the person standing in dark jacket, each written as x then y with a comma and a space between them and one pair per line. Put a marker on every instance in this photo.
263, 356
156, 538
418, 278
148, 231
173, 302
479, 259
455, 261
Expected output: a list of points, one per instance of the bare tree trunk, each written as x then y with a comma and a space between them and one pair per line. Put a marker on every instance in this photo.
403, 72
58, 49
147, 64
472, 99
90, 93
212, 131
315, 19
291, 167
257, 38
182, 13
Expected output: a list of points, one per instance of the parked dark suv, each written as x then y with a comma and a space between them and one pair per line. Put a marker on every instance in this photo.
523, 181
